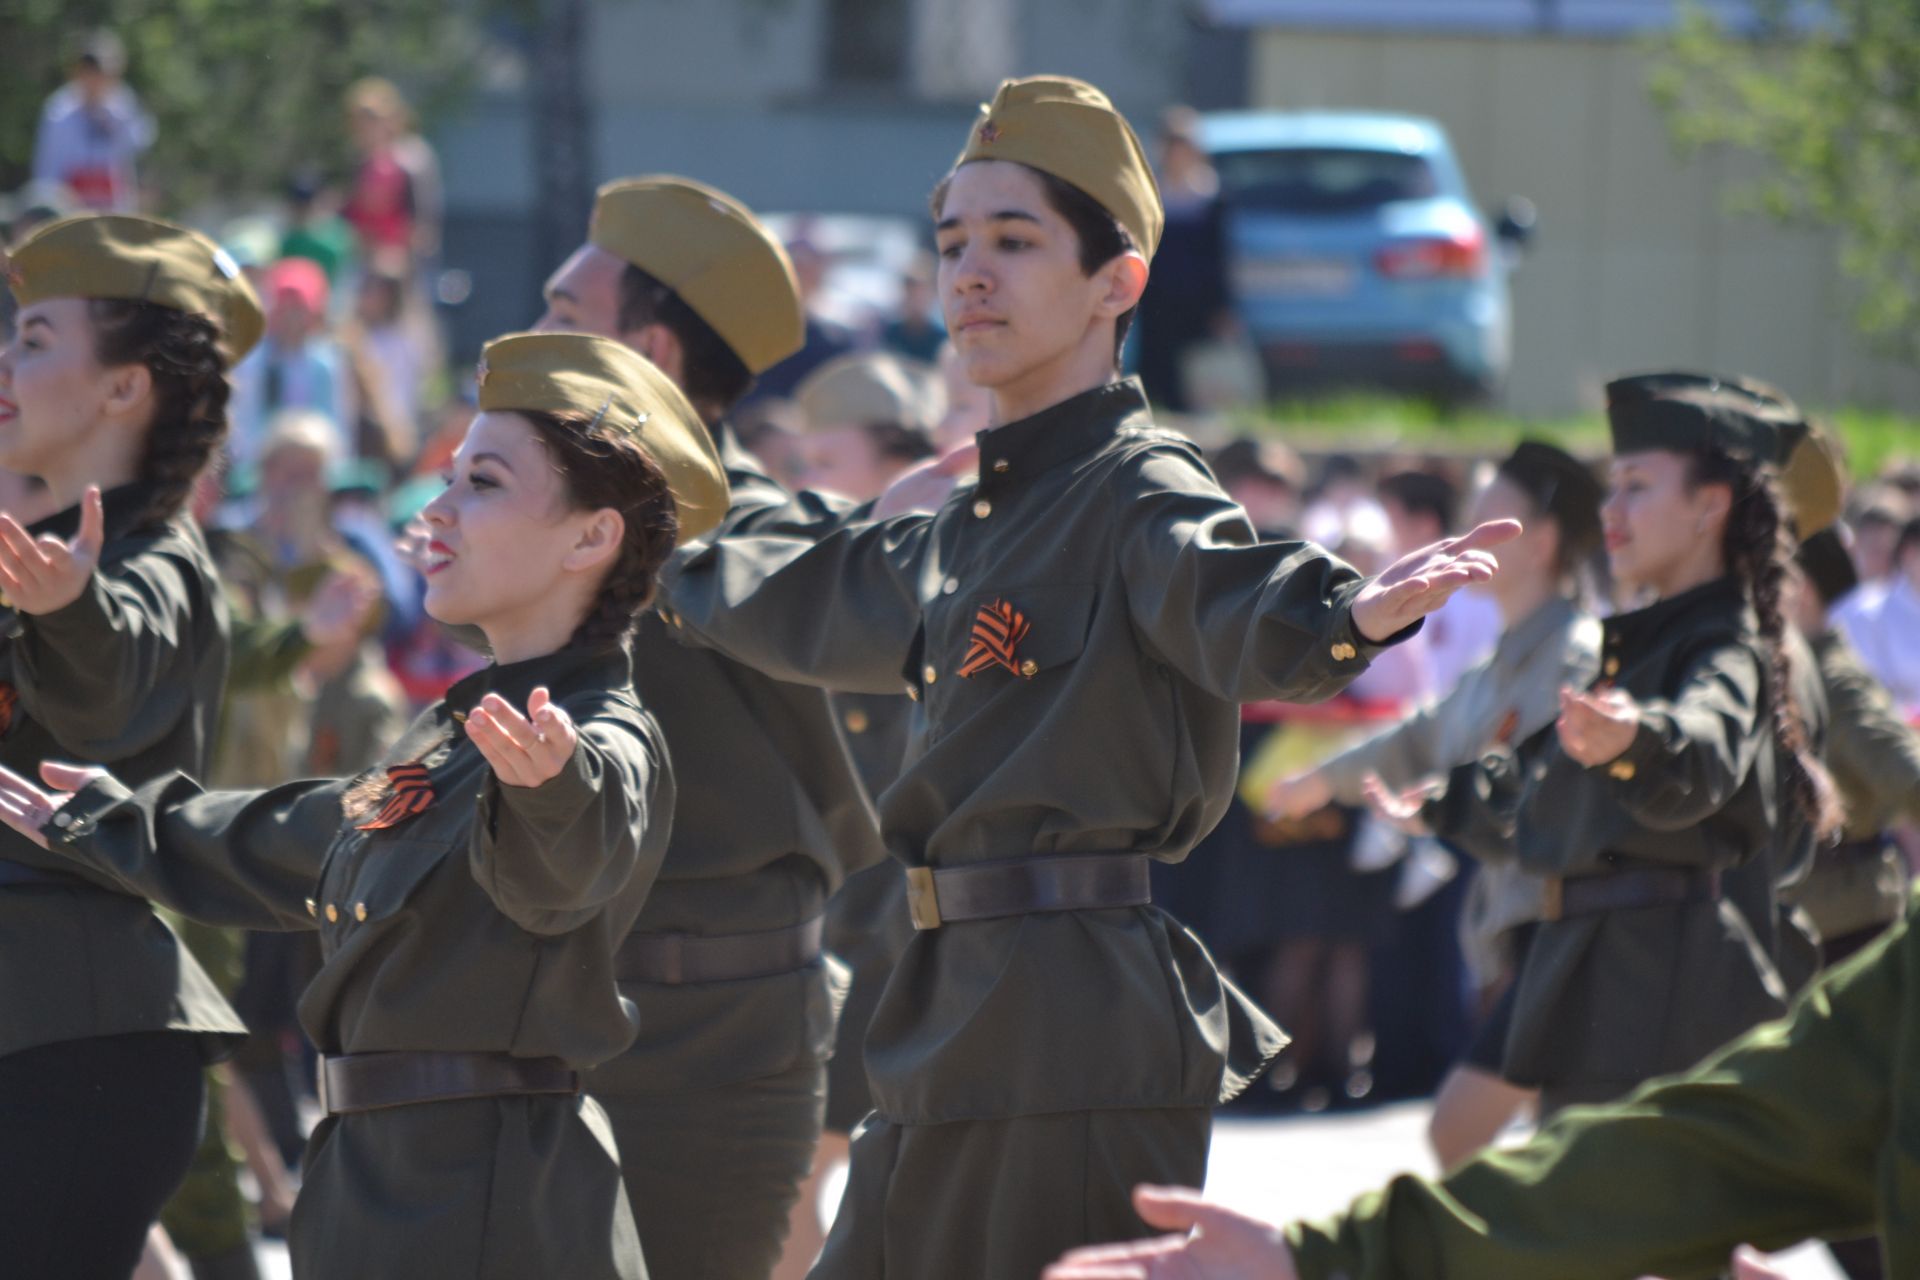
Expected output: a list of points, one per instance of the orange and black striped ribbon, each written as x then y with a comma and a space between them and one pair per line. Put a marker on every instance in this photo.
409, 791
9, 697
998, 630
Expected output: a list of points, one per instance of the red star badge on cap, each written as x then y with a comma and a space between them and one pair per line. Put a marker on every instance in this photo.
989, 132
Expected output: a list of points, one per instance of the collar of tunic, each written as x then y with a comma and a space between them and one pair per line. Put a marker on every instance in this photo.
1060, 433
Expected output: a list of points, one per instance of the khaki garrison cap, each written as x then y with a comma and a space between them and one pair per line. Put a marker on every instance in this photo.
1814, 483
126, 258
1067, 128
708, 248
623, 392
869, 388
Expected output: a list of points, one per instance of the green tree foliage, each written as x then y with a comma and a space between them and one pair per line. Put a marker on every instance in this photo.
244, 91
1832, 104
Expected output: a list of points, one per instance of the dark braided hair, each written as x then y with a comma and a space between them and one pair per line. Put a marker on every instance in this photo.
182, 352
603, 468
1758, 546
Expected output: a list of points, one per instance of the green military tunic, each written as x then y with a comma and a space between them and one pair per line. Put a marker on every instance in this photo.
1080, 1049
1874, 757
485, 922
1606, 1000
1511, 696
130, 676
868, 924
1801, 1128
718, 1103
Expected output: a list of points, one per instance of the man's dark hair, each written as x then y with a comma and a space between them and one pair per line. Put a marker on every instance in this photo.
713, 377
1421, 493
1101, 237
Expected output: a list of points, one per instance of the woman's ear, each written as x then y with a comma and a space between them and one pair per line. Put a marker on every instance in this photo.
1713, 502
598, 544
129, 389
1126, 278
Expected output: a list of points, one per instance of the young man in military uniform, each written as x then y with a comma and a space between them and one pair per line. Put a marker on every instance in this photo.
717, 1107
1078, 627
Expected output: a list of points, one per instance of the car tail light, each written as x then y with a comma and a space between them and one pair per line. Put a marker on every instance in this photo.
1434, 257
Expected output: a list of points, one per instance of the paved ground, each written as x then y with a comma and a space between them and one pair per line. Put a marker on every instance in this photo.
1304, 1167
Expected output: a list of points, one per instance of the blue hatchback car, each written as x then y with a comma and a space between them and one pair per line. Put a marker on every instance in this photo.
1357, 257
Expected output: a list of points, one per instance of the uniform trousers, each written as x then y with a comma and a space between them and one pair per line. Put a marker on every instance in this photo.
997, 1198
95, 1134
714, 1173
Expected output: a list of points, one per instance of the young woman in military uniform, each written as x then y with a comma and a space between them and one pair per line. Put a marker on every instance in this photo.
1079, 627
472, 893
1684, 761
1551, 641
114, 651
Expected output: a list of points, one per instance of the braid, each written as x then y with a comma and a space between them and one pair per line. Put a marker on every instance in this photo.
603, 470
1758, 549
182, 352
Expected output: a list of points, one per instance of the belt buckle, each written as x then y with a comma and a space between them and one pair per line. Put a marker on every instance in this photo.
1553, 898
320, 1088
922, 903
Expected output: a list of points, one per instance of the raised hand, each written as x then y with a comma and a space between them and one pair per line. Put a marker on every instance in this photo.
28, 809
1418, 583
47, 573
524, 750
1400, 809
1596, 726
1297, 796
1218, 1244
926, 486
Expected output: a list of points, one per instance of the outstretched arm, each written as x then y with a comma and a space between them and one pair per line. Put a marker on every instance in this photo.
243, 858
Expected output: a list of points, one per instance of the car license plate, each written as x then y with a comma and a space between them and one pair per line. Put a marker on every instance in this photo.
1295, 278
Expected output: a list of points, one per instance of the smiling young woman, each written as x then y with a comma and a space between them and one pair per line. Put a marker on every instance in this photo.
471, 892
115, 651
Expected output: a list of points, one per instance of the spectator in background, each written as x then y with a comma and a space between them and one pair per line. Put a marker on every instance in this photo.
917, 331
865, 421
1879, 513
1187, 300
825, 339
315, 228
770, 431
394, 202
395, 352
1420, 509
1268, 479
93, 130
1882, 624
297, 367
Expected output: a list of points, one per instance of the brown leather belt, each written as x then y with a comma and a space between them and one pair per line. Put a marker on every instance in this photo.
1625, 890
372, 1081
671, 959
1027, 886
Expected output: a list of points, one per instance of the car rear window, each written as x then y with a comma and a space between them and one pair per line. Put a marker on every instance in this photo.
1322, 179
